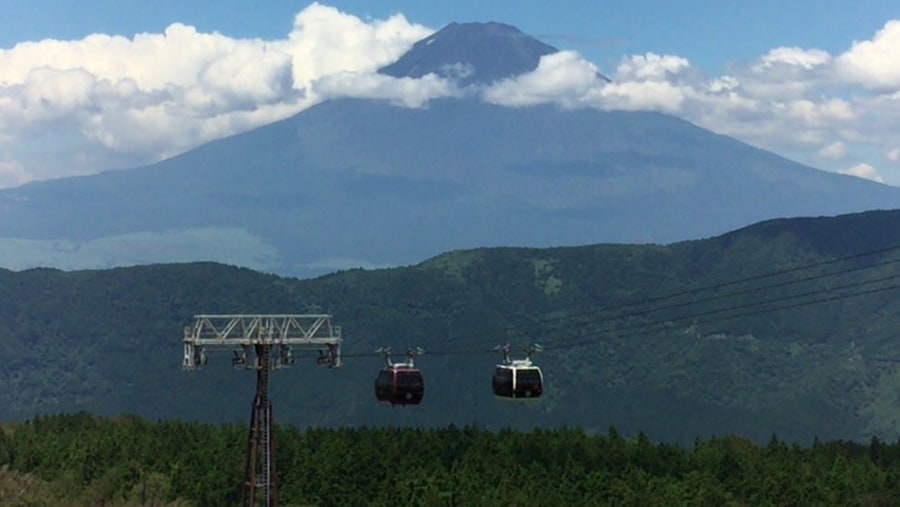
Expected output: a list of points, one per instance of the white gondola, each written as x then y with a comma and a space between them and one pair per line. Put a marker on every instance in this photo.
518, 379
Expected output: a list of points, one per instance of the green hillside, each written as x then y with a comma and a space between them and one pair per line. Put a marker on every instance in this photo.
775, 328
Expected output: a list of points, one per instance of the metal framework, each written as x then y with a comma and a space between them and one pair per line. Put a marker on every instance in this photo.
262, 343
385, 352
529, 351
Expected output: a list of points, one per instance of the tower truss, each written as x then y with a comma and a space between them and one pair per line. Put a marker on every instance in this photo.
261, 343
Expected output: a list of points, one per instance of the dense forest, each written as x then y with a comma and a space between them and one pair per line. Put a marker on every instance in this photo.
785, 327
82, 460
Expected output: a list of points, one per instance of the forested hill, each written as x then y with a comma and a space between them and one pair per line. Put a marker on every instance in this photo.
781, 327
78, 460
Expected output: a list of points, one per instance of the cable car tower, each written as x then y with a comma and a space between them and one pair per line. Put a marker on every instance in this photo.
262, 343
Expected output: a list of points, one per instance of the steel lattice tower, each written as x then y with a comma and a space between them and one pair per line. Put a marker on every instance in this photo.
259, 470
270, 338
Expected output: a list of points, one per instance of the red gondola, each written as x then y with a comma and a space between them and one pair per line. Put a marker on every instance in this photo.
399, 383
518, 379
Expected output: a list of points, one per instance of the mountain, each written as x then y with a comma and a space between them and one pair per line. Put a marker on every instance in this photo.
781, 327
472, 53
357, 182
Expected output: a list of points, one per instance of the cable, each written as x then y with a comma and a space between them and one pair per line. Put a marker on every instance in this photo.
735, 316
643, 328
765, 302
882, 359
728, 295
706, 299
525, 330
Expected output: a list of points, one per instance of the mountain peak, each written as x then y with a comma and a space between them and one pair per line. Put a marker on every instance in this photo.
472, 53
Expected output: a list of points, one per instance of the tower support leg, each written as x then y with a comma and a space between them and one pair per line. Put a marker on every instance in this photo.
259, 487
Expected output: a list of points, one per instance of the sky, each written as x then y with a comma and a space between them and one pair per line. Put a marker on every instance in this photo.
100, 84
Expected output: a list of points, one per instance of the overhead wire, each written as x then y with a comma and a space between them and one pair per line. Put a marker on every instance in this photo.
525, 330
694, 291
682, 304
644, 329
721, 296
641, 331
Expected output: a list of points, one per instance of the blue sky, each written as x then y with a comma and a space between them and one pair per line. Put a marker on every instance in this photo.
710, 33
784, 76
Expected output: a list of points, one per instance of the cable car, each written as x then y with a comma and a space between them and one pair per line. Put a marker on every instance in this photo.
518, 379
399, 383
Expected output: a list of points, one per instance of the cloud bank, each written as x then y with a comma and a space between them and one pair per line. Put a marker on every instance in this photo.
833, 112
78, 107
108, 101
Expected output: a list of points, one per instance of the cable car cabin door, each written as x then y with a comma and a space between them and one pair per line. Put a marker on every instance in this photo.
518, 383
400, 386
384, 386
529, 383
410, 387
503, 382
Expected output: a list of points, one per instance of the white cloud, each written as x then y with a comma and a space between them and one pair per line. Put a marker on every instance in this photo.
863, 171
326, 41
76, 107
567, 79
457, 70
792, 56
818, 114
651, 66
640, 95
106, 100
836, 151
796, 102
12, 173
563, 77
874, 63
406, 92
724, 84
786, 73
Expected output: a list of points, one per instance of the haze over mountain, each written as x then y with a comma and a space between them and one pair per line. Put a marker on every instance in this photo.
360, 182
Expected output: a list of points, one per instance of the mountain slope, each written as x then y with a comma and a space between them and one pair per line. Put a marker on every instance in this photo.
631, 339
366, 183
471, 53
